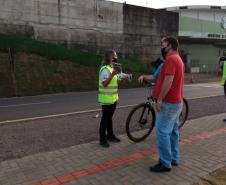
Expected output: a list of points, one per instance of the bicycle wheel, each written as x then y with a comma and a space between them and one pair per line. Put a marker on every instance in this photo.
140, 122
184, 113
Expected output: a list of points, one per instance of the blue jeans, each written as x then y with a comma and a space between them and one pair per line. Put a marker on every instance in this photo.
167, 132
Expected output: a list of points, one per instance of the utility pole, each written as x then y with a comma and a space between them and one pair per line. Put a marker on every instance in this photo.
11, 54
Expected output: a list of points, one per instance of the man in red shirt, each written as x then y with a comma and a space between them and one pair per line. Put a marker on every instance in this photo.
169, 94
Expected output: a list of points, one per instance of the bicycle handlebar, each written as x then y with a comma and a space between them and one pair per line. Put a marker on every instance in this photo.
151, 84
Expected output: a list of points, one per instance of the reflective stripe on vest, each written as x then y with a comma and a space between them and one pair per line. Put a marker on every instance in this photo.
108, 89
223, 73
108, 94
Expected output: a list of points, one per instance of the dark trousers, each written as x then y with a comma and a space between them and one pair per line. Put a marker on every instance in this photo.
106, 121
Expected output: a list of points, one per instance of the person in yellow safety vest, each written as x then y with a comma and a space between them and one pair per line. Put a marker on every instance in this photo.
223, 82
223, 74
108, 97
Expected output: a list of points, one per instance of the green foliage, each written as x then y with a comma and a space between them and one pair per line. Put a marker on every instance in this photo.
42, 68
59, 52
51, 51
133, 65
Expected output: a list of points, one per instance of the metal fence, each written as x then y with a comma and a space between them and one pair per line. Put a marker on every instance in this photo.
199, 67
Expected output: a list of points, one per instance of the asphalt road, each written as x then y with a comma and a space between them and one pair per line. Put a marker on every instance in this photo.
71, 103
28, 137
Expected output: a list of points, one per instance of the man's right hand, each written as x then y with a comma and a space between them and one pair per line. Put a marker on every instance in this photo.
141, 79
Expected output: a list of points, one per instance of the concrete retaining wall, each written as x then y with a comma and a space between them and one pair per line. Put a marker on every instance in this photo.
91, 25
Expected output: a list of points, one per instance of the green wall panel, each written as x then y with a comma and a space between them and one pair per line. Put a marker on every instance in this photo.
197, 25
204, 56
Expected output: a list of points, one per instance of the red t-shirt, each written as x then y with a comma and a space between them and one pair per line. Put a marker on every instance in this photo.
173, 65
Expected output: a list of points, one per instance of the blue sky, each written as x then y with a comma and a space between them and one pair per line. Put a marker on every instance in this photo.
168, 3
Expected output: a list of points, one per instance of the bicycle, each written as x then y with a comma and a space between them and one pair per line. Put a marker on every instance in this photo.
142, 127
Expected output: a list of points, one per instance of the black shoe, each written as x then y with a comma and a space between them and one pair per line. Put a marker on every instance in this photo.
224, 120
113, 139
104, 144
159, 168
174, 163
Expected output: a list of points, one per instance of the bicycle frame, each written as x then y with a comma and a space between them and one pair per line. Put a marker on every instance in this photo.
147, 111
150, 99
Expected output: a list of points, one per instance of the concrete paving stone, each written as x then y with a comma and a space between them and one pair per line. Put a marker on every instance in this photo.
7, 183
95, 182
197, 159
4, 180
51, 168
75, 183
176, 177
4, 164
116, 183
182, 183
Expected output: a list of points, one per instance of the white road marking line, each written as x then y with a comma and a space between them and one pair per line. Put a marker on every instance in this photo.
82, 112
21, 105
214, 84
200, 97
95, 92
59, 115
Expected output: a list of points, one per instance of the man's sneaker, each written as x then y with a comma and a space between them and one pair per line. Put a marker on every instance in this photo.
113, 139
159, 168
174, 163
104, 144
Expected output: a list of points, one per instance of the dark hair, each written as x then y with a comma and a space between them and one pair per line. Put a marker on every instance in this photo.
172, 41
108, 57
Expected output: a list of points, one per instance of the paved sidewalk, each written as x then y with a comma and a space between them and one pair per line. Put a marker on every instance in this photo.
202, 149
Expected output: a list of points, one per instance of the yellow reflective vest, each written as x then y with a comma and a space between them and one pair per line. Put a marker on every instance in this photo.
109, 94
223, 73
